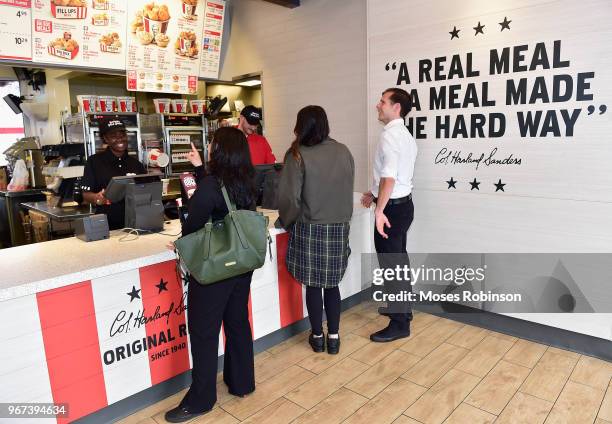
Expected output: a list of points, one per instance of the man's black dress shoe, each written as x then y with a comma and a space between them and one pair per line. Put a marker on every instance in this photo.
317, 343
389, 334
383, 311
181, 414
333, 345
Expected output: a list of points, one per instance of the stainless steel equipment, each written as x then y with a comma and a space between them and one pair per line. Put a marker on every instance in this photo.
180, 130
152, 137
34, 162
96, 143
84, 127
27, 149
64, 169
60, 220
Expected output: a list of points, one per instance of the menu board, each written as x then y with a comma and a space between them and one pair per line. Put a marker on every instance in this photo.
87, 33
211, 39
163, 45
15, 30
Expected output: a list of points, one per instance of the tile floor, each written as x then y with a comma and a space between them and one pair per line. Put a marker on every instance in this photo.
446, 372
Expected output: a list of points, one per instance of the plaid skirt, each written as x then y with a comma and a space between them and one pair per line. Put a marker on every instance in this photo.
317, 254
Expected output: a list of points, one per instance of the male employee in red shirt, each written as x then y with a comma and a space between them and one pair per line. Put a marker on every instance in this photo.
261, 153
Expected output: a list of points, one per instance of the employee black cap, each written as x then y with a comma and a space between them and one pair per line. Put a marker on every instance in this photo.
252, 114
111, 124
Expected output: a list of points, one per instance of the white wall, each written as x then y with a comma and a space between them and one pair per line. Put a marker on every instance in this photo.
559, 199
8, 118
313, 54
249, 96
56, 95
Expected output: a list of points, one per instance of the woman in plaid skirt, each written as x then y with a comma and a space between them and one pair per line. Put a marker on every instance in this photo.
315, 206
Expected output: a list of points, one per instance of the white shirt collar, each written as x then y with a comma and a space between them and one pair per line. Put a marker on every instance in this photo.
398, 121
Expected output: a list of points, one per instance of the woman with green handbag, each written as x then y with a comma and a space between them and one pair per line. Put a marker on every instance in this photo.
224, 301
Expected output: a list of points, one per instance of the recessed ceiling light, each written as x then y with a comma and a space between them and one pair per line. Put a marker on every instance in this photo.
249, 83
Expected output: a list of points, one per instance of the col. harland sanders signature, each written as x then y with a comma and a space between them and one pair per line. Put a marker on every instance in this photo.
454, 157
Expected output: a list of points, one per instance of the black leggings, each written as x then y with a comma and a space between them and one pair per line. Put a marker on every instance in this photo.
314, 303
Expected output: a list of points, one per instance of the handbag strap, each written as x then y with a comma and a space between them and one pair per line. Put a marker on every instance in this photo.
230, 206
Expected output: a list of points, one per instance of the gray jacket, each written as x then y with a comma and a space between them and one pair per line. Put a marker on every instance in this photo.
319, 189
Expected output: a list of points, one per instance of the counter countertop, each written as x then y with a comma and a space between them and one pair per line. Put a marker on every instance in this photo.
43, 266
62, 213
22, 193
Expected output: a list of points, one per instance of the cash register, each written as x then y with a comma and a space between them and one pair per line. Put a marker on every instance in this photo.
144, 209
266, 183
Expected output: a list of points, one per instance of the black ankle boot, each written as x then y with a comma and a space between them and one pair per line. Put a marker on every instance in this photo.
317, 343
333, 345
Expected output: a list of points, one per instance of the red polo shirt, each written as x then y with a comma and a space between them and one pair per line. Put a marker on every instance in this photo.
261, 153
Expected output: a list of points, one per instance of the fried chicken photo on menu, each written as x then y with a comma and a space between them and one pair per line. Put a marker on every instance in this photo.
162, 40
100, 19
156, 13
77, 3
111, 40
137, 24
189, 9
100, 4
65, 43
186, 44
144, 37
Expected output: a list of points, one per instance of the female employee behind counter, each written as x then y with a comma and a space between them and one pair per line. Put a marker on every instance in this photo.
101, 167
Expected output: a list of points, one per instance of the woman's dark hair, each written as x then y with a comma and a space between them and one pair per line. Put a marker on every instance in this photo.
311, 128
230, 162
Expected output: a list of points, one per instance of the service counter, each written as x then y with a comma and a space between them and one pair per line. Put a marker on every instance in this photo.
90, 324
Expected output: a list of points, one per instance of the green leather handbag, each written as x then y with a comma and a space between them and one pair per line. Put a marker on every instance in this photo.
225, 248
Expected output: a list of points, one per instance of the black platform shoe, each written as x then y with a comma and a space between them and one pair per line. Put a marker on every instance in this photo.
333, 345
317, 343
240, 395
181, 414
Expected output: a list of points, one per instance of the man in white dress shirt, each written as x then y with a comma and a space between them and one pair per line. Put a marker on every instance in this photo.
392, 193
